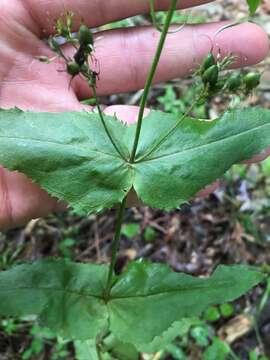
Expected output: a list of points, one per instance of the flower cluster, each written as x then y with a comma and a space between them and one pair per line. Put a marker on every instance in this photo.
83, 43
215, 82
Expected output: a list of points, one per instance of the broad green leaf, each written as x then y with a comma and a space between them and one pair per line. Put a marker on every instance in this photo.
66, 296
197, 153
178, 329
119, 349
69, 155
145, 300
148, 298
253, 5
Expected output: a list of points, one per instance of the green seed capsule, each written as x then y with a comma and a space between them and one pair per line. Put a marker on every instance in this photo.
208, 61
73, 68
84, 69
85, 36
252, 80
234, 82
210, 76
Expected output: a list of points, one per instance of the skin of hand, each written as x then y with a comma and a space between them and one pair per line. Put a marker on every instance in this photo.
124, 55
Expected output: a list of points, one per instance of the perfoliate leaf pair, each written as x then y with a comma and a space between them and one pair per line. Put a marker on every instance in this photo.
144, 302
71, 157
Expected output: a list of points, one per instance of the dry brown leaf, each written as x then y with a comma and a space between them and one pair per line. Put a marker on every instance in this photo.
131, 254
236, 328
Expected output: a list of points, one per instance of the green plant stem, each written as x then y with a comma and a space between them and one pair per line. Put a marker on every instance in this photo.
258, 334
150, 77
153, 16
105, 125
156, 24
241, 21
115, 245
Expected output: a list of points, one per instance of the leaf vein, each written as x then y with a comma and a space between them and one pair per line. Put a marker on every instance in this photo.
73, 292
169, 291
205, 145
56, 143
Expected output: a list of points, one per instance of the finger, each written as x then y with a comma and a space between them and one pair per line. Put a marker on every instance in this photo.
95, 13
21, 200
125, 55
32, 85
125, 113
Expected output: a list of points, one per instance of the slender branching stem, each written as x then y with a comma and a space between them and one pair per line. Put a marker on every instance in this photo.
156, 24
115, 245
172, 130
150, 78
147, 87
153, 16
105, 125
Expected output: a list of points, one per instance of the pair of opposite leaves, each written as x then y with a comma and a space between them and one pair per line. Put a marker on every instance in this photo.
145, 300
71, 157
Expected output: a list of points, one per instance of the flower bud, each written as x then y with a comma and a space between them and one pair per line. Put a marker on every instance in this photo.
73, 68
234, 82
252, 80
208, 61
210, 76
85, 36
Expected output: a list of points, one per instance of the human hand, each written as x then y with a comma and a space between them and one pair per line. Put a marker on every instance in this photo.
124, 55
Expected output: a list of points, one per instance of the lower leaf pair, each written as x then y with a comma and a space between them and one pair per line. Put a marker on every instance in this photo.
143, 304
70, 156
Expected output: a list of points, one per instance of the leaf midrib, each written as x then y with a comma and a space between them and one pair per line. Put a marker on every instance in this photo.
73, 292
186, 289
57, 144
203, 145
